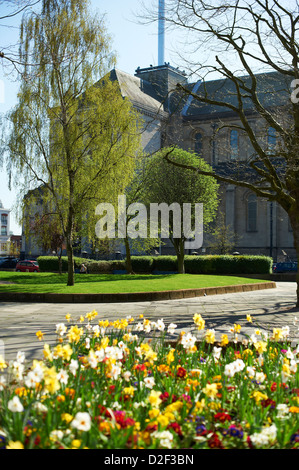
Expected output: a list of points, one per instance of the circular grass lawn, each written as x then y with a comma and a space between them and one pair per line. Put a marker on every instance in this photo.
112, 283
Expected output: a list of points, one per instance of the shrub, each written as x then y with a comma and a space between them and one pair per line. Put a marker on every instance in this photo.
142, 264
226, 264
165, 263
98, 267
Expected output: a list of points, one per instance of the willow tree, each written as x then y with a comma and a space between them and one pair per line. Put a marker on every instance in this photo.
72, 133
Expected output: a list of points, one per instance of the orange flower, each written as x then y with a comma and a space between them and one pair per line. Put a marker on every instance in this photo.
294, 409
70, 392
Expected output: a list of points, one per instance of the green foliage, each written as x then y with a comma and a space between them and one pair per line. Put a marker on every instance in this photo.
165, 263
142, 264
72, 133
181, 186
205, 264
225, 264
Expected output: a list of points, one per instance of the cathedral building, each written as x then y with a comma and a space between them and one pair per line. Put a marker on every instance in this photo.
257, 226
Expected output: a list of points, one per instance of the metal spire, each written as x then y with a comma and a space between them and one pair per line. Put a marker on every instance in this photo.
161, 33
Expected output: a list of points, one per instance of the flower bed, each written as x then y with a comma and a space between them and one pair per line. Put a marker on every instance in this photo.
109, 385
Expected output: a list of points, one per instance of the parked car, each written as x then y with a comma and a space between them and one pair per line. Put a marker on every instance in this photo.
8, 263
285, 267
27, 266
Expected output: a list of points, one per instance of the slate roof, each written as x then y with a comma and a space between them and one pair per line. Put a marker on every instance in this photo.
140, 92
273, 90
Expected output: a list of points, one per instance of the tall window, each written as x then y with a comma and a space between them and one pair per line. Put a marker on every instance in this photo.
234, 144
252, 213
271, 139
198, 143
3, 231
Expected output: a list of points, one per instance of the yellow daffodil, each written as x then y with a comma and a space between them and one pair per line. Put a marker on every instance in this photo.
154, 398
3, 364
210, 336
39, 335
15, 445
74, 334
224, 340
199, 321
153, 413
260, 346
210, 390
67, 417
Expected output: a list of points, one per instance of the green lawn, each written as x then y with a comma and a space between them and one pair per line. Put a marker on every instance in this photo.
110, 283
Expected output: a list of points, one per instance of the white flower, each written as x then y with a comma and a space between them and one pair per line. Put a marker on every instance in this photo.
92, 359
188, 341
126, 375
260, 376
139, 327
38, 406
285, 331
56, 435
87, 343
251, 371
114, 352
81, 421
282, 410
100, 354
293, 366
61, 329
265, 437
2, 382
20, 357
30, 380
122, 345
62, 376
116, 406
15, 405
171, 328
160, 325
115, 371
165, 438
216, 353
74, 366
233, 367
239, 364
138, 351
149, 382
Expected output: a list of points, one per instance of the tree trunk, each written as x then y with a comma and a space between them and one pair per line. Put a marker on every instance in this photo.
70, 263
180, 253
128, 257
294, 220
60, 262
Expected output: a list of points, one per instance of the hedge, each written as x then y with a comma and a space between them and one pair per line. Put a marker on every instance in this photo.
204, 264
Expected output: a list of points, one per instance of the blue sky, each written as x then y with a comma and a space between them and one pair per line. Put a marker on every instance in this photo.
135, 45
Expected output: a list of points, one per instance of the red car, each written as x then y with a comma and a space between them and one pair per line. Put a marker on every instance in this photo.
28, 266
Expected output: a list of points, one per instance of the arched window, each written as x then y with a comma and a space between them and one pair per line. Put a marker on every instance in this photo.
252, 213
271, 139
234, 144
198, 143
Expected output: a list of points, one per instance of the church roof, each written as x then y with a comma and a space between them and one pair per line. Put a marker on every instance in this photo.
140, 92
273, 90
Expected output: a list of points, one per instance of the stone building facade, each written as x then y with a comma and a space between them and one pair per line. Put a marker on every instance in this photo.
259, 226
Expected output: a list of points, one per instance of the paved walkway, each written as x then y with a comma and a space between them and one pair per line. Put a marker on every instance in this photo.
269, 308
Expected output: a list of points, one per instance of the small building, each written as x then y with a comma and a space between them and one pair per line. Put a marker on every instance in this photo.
4, 230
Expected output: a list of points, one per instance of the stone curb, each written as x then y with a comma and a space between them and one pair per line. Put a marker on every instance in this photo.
132, 296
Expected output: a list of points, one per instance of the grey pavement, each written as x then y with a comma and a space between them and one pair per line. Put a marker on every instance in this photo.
269, 308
